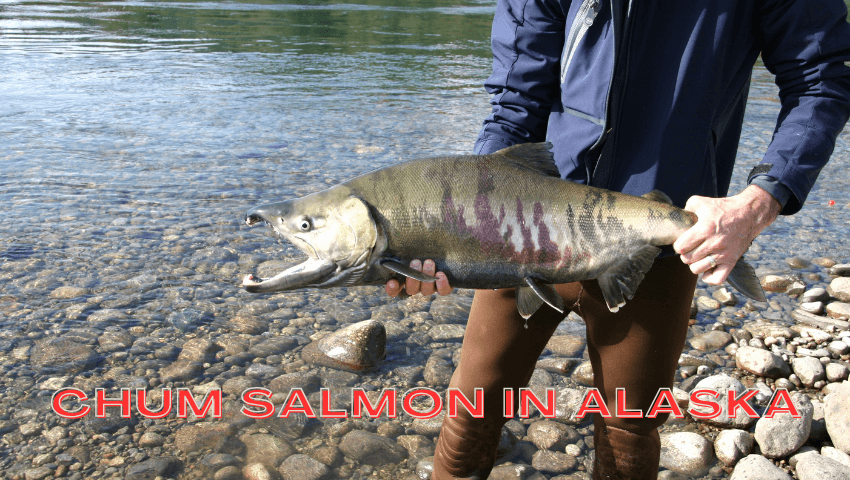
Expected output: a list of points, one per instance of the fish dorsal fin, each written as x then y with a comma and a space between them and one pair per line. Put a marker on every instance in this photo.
402, 269
658, 196
533, 156
530, 298
620, 282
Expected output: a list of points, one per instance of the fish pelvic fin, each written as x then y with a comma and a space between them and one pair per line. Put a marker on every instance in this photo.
658, 196
620, 282
532, 156
530, 298
402, 269
743, 278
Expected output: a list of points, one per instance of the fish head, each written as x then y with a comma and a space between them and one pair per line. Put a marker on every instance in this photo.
334, 228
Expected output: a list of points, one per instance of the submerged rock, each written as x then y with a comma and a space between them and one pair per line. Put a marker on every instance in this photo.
355, 348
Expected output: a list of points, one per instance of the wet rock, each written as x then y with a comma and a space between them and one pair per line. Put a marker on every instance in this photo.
837, 417
708, 304
732, 445
819, 467
68, 292
273, 346
777, 283
228, 473
815, 308
450, 309
511, 472
302, 467
413, 443
710, 341
151, 439
115, 339
39, 473
438, 370
257, 471
551, 435
687, 453
216, 461
155, 467
583, 374
816, 294
371, 449
553, 462
567, 403
267, 450
783, 434
194, 438
725, 297
722, 384
765, 329
808, 369
58, 355
199, 350
307, 381
561, 366
566, 345
797, 262
447, 332
761, 362
181, 371
840, 288
356, 348
756, 467
842, 270
249, 325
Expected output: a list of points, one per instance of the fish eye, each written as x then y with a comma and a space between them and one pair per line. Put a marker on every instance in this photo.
305, 224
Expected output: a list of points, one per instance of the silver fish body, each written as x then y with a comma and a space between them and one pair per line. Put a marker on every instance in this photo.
488, 221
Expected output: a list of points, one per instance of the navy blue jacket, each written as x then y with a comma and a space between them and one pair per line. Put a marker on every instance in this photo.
654, 99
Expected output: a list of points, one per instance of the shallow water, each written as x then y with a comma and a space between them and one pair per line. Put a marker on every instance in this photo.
134, 136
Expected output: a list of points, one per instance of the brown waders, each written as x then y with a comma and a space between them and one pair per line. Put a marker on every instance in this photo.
636, 349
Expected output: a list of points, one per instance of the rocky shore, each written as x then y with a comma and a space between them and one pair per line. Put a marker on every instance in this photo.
327, 344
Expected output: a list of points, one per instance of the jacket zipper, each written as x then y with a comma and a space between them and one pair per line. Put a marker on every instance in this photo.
583, 21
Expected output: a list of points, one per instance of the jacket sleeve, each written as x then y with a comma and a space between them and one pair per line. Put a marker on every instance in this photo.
805, 44
527, 41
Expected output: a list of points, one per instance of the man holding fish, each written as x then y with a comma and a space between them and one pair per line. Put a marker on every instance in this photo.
639, 96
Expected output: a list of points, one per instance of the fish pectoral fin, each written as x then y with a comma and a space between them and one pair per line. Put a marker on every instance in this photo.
621, 281
530, 298
658, 196
406, 271
743, 277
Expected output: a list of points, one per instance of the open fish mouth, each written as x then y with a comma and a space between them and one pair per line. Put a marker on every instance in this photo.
312, 272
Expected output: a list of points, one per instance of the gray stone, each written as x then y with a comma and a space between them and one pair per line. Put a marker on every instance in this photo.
687, 453
804, 450
155, 467
710, 341
60, 355
838, 309
194, 438
761, 362
267, 450
819, 467
438, 370
808, 369
447, 332
566, 345
199, 350
815, 308
511, 472
257, 471
553, 462
725, 296
840, 289
180, 371
371, 449
707, 304
837, 417
302, 467
722, 384
838, 347
732, 445
567, 403
837, 455
583, 374
356, 348
777, 283
783, 434
817, 294
842, 270
551, 435
756, 467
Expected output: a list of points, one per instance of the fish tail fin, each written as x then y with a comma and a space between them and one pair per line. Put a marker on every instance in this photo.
743, 277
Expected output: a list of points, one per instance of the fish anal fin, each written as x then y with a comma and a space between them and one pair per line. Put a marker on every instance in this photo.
743, 277
621, 281
527, 302
401, 269
658, 196
546, 293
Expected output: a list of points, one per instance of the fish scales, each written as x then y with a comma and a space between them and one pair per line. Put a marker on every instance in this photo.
488, 221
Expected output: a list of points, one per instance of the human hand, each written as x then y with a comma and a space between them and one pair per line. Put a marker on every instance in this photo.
412, 287
724, 230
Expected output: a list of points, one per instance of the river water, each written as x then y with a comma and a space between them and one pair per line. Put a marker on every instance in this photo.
134, 135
